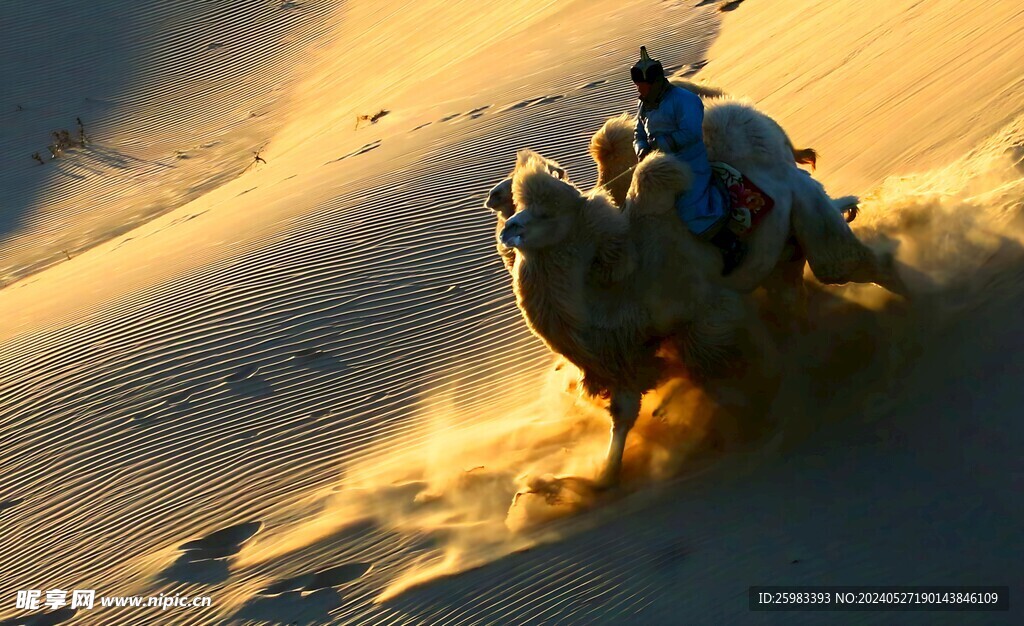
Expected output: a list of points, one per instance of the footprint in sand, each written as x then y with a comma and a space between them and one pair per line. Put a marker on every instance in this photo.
370, 146
323, 579
449, 290
307, 356
366, 148
520, 105
533, 101
730, 6
549, 99
220, 544
205, 561
693, 68
309, 597
320, 414
596, 83
477, 112
424, 125
252, 385
292, 607
315, 358
182, 397
448, 118
243, 373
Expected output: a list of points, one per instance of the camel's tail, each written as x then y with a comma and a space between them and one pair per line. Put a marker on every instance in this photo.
807, 156
704, 91
658, 177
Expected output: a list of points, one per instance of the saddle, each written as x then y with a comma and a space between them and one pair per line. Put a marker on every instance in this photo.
748, 204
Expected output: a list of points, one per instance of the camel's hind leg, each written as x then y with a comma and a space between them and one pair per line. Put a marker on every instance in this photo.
787, 295
833, 251
625, 408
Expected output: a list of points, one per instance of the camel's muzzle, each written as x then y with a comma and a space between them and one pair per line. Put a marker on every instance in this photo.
512, 234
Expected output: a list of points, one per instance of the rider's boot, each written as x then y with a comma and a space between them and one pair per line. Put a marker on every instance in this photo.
732, 247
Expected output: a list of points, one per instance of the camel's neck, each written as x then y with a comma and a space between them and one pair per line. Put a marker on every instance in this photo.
615, 178
549, 287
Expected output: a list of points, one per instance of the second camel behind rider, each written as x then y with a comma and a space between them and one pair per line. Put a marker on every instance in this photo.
670, 119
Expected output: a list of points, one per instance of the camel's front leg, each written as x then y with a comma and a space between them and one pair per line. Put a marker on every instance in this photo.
625, 407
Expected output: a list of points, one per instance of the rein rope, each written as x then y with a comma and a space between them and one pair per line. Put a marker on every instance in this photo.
629, 171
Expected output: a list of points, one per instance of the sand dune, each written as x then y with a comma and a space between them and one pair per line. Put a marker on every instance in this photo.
301, 386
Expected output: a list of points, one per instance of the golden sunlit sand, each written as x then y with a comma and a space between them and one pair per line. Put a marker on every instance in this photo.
299, 383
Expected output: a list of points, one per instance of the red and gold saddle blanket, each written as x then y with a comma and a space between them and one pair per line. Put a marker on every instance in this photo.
748, 204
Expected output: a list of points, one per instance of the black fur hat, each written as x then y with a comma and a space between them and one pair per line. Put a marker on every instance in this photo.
646, 70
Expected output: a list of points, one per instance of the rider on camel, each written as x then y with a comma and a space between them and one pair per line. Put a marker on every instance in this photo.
670, 119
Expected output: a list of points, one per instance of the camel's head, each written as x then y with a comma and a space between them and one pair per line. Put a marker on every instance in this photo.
657, 182
547, 207
499, 199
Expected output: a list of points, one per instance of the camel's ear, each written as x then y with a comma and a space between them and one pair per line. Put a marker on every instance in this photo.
557, 170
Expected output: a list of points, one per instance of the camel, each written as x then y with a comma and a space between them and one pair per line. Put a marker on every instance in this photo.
612, 331
806, 223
